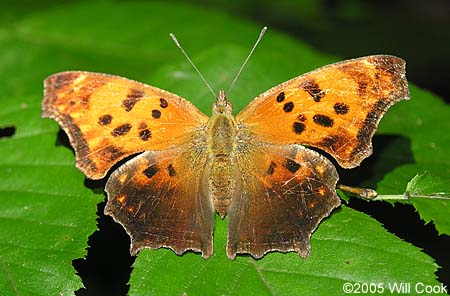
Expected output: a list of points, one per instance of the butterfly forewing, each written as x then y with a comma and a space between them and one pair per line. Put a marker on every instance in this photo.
335, 108
108, 118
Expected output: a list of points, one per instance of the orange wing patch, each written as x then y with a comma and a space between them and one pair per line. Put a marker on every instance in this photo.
335, 108
108, 118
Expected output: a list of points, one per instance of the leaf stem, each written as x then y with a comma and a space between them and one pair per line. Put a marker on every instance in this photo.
391, 197
408, 196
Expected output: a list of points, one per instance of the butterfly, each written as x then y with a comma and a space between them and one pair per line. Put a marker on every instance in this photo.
256, 168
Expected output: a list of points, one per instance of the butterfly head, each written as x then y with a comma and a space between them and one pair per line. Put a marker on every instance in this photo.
222, 105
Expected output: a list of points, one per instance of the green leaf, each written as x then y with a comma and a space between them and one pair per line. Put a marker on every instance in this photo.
47, 213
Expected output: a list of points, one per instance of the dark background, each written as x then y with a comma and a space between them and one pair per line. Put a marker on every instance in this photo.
418, 31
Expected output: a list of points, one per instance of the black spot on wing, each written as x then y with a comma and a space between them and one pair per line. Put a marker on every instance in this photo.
156, 114
132, 98
128, 104
341, 108
171, 170
323, 120
313, 89
105, 119
288, 107
298, 127
150, 171
280, 97
163, 103
291, 165
271, 168
145, 134
121, 130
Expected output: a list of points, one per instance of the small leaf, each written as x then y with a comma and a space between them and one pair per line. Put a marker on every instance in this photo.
430, 196
427, 185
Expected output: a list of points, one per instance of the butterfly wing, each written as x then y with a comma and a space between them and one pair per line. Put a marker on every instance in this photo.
108, 118
157, 197
285, 192
335, 108
287, 189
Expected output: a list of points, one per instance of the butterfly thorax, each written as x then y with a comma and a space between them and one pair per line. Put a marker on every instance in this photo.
220, 168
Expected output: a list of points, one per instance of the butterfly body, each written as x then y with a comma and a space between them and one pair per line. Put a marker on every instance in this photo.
221, 170
255, 168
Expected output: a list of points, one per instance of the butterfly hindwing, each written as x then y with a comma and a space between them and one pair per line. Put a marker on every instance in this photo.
158, 205
108, 118
335, 108
285, 192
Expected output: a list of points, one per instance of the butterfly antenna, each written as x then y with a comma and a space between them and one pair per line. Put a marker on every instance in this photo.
192, 63
248, 57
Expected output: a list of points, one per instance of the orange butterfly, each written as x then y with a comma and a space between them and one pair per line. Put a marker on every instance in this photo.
255, 167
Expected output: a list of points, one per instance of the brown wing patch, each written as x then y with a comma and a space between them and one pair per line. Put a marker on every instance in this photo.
159, 208
286, 192
335, 108
132, 98
108, 118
